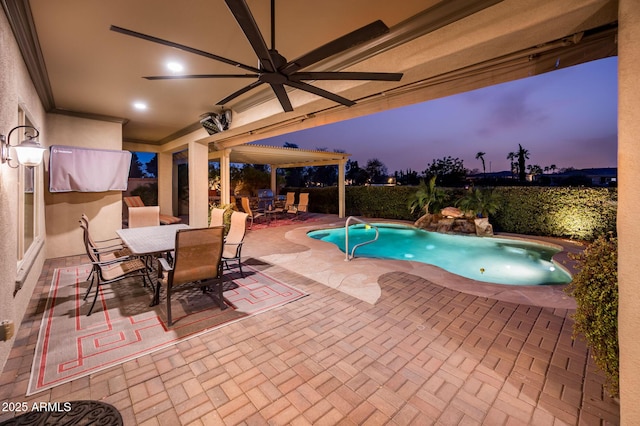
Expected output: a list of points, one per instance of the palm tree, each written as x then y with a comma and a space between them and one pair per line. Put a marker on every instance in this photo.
534, 170
481, 155
511, 157
523, 155
553, 168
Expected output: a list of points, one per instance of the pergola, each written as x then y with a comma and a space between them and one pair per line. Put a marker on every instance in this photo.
277, 158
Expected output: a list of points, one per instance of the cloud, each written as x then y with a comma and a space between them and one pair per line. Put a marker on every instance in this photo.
511, 107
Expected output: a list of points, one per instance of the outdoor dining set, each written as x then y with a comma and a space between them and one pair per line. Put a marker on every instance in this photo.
269, 208
173, 252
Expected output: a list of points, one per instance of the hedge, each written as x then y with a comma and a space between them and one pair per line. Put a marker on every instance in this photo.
595, 289
579, 213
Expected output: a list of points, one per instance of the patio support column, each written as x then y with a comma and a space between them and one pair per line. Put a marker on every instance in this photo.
341, 191
274, 182
628, 206
198, 184
225, 177
175, 190
165, 182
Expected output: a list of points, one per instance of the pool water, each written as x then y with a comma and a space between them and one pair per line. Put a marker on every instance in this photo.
494, 260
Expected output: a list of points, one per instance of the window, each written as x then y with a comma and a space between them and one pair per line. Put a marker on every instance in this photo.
29, 207
29, 188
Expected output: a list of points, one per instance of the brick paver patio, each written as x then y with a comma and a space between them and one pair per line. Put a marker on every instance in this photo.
423, 354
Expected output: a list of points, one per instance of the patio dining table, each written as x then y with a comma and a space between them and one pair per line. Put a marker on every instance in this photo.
150, 242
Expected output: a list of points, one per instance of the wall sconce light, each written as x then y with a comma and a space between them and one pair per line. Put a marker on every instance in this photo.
29, 151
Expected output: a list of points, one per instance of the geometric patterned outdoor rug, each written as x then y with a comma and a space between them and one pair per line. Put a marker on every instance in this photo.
123, 327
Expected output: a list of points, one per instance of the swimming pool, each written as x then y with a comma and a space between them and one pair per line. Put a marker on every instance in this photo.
494, 260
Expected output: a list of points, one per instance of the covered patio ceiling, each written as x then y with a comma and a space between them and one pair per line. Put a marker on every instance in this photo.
442, 47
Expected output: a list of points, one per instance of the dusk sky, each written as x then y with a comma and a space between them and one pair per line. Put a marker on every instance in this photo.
567, 117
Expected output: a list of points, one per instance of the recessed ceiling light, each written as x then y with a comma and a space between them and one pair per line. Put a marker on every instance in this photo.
140, 106
175, 66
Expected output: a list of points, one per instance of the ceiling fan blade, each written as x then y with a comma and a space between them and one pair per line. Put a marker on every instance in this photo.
186, 76
354, 38
249, 27
320, 92
240, 92
181, 47
377, 76
281, 93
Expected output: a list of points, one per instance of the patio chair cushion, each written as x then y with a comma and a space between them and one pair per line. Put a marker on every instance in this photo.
169, 220
134, 201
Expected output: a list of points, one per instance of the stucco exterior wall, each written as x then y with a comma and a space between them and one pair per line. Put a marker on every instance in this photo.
58, 214
16, 90
63, 210
628, 208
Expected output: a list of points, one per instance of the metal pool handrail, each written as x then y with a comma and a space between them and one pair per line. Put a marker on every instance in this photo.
346, 237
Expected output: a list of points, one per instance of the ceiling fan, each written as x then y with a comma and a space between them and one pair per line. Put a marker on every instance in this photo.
274, 69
